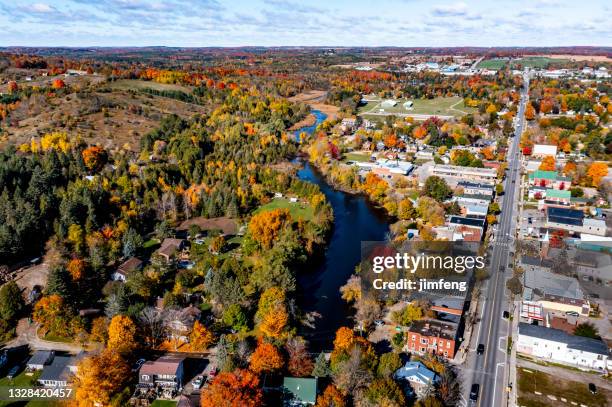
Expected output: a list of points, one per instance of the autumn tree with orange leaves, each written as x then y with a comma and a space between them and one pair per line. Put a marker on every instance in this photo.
233, 389
597, 171
300, 363
94, 158
58, 84
266, 358
200, 337
265, 227
99, 378
13, 87
331, 397
530, 111
419, 132
122, 334
76, 268
548, 163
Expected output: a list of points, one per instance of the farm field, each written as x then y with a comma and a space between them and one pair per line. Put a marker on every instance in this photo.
296, 209
136, 84
536, 62
442, 106
492, 63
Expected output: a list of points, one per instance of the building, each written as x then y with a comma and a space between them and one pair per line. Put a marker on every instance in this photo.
549, 179
180, 322
40, 359
477, 188
457, 173
546, 292
130, 265
299, 391
464, 201
543, 150
475, 211
573, 220
561, 347
169, 247
418, 376
59, 372
432, 336
466, 223
167, 372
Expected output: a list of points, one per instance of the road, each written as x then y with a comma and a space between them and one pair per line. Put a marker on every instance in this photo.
490, 368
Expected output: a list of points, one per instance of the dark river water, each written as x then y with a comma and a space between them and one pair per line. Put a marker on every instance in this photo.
355, 220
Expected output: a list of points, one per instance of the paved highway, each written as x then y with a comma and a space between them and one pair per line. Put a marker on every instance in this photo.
489, 369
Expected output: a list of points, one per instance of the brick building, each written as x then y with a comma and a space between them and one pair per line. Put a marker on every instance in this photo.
433, 336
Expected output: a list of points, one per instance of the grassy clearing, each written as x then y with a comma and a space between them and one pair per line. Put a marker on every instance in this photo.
163, 403
530, 381
492, 63
297, 210
360, 157
537, 62
134, 84
442, 106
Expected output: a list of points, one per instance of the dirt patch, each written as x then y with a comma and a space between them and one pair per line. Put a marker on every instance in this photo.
227, 225
305, 122
315, 98
28, 277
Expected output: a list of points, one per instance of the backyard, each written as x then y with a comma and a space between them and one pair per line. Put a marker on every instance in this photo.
296, 209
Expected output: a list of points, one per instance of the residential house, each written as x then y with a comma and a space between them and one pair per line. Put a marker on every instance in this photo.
167, 372
299, 391
169, 247
130, 265
560, 347
418, 376
432, 336
547, 292
59, 372
348, 125
40, 359
179, 323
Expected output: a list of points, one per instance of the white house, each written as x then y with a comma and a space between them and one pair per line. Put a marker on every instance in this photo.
559, 346
543, 150
419, 377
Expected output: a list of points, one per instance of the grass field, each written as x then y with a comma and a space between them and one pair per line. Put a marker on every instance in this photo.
298, 210
537, 62
442, 106
530, 381
360, 157
136, 84
492, 63
163, 403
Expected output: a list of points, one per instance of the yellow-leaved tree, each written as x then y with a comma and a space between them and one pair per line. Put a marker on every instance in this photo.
99, 378
122, 334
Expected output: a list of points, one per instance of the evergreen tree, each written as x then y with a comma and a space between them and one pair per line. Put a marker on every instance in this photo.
321, 367
11, 301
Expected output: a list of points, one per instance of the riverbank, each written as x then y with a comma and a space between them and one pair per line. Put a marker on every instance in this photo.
309, 120
315, 98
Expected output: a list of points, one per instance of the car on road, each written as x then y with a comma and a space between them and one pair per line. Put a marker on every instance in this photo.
506, 314
197, 382
592, 388
480, 349
572, 313
474, 392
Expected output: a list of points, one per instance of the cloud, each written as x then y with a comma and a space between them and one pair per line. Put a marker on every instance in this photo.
39, 8
450, 10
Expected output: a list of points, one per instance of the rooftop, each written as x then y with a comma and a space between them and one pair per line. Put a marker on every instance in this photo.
552, 286
303, 389
433, 327
165, 365
556, 335
460, 220
417, 369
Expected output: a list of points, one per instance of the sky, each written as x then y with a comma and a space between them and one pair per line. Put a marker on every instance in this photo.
404, 23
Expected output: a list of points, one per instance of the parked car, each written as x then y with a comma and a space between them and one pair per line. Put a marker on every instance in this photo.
506, 314
13, 372
592, 388
480, 349
197, 382
474, 392
572, 313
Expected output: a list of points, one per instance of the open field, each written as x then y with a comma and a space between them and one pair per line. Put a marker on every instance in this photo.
595, 58
492, 63
360, 157
532, 381
315, 98
536, 62
139, 84
296, 209
443, 106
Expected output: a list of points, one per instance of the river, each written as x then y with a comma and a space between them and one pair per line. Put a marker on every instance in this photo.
355, 220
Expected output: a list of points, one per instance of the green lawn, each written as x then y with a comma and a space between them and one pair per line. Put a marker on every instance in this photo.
135, 84
23, 381
356, 157
530, 381
492, 63
163, 403
443, 106
298, 210
537, 62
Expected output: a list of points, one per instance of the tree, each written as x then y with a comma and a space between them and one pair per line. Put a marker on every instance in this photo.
499, 189
58, 84
437, 188
586, 329
132, 241
331, 397
99, 330
265, 226
514, 285
266, 358
216, 244
597, 171
76, 268
13, 87
388, 364
122, 334
94, 158
430, 211
99, 378
405, 210
275, 322
200, 337
409, 314
299, 364
234, 317
11, 301
430, 401
548, 163
239, 388
385, 392
321, 367
352, 373
530, 111
448, 387
55, 317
